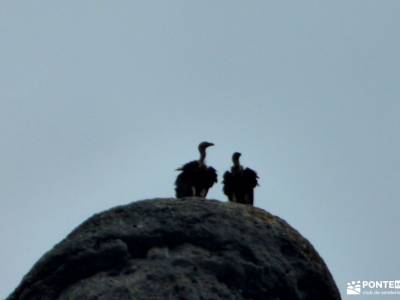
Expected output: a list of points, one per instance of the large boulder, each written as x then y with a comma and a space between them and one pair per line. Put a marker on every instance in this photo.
188, 249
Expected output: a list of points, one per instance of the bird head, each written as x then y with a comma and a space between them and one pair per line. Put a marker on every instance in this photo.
204, 145
236, 156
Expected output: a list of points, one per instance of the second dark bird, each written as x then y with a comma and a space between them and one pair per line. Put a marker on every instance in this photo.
239, 182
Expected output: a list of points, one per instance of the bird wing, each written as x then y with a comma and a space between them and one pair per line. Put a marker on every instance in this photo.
227, 177
227, 182
212, 176
250, 177
190, 166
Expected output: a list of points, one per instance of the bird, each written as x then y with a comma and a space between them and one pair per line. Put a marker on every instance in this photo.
196, 178
239, 182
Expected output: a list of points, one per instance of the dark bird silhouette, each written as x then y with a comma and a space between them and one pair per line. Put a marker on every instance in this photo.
196, 178
240, 182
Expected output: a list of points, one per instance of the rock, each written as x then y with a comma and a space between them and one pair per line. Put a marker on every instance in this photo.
188, 249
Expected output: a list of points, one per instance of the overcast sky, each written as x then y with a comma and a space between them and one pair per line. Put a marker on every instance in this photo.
102, 100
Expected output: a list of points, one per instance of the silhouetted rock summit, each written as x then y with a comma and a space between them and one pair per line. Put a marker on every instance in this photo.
188, 249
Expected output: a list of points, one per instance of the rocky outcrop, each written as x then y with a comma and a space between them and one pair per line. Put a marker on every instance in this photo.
188, 249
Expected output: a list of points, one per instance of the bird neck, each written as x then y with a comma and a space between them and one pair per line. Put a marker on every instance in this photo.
236, 164
237, 168
202, 156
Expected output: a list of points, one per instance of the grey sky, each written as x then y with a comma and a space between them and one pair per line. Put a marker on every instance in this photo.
101, 101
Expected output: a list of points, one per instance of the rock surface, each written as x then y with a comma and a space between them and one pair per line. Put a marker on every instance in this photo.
189, 249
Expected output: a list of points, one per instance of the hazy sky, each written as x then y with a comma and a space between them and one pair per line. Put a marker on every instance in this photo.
102, 100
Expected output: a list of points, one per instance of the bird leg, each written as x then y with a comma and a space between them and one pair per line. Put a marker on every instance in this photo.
203, 193
248, 199
234, 198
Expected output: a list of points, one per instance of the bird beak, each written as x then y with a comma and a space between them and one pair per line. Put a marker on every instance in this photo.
210, 144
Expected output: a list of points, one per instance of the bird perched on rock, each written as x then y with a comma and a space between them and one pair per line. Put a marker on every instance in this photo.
240, 182
196, 178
